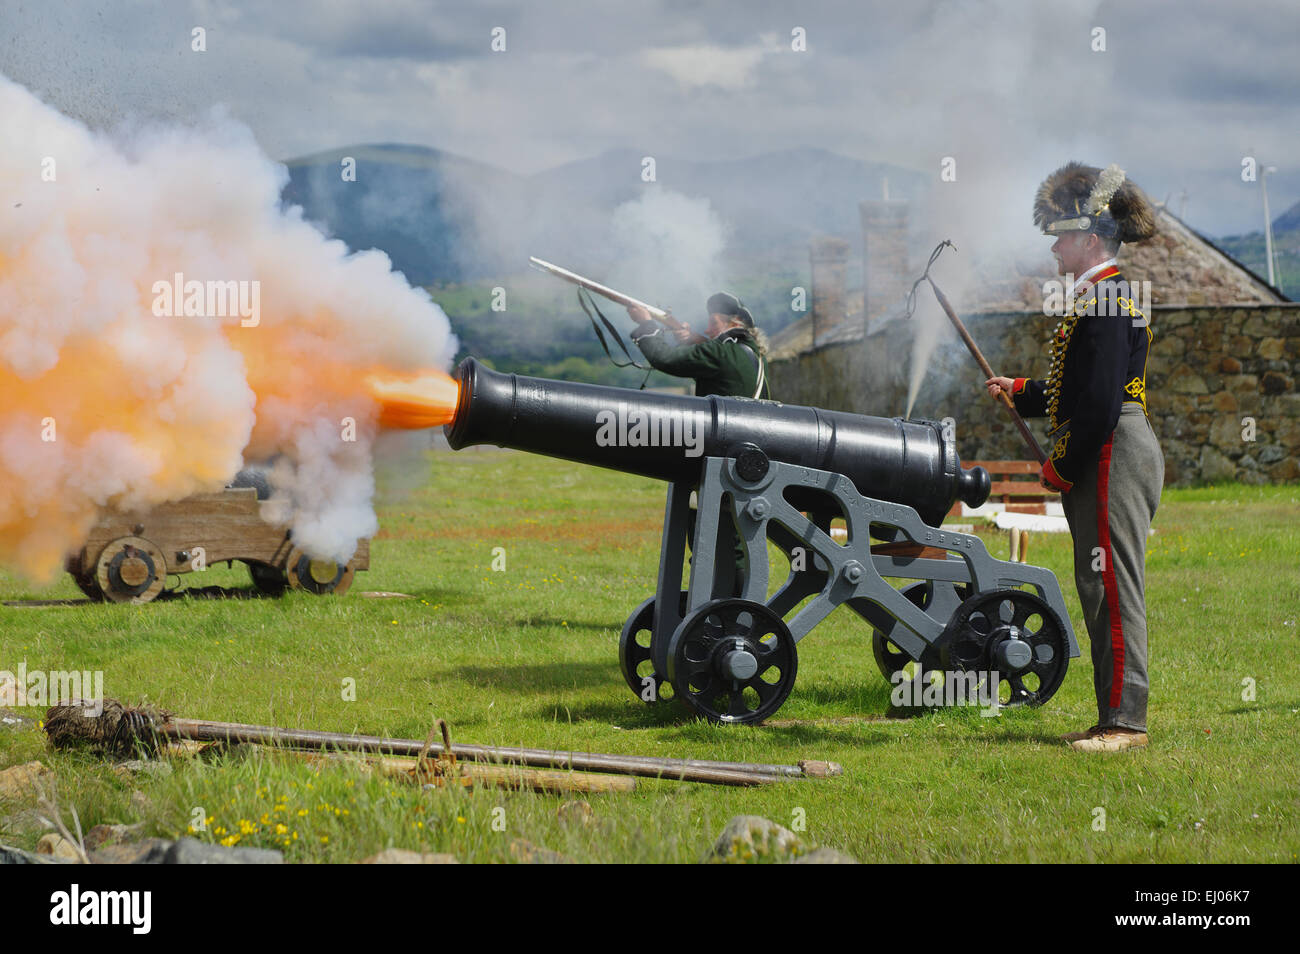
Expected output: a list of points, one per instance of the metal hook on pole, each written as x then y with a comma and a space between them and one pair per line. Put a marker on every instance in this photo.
1021, 426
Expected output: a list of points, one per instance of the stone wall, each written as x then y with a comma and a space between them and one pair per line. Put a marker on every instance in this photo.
1210, 367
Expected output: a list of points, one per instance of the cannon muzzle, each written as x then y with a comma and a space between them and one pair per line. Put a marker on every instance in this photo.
667, 436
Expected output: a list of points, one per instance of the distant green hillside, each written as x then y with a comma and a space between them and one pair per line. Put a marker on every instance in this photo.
405, 200
1249, 250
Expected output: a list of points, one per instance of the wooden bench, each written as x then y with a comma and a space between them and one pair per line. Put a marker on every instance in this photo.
1018, 487
1015, 484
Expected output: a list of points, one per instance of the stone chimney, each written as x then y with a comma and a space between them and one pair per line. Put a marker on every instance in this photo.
885, 276
830, 258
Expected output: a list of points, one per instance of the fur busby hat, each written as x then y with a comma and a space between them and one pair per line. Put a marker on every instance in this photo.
1079, 198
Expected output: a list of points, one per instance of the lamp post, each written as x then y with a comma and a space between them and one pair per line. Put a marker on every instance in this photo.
1268, 224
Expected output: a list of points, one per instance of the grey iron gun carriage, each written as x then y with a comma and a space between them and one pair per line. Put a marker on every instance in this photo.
764, 471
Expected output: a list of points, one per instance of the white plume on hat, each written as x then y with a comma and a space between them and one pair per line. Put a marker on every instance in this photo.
1108, 184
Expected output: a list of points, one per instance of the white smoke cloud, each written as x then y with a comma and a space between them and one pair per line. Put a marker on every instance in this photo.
109, 406
666, 249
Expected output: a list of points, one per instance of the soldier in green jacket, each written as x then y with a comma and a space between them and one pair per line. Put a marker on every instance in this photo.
729, 361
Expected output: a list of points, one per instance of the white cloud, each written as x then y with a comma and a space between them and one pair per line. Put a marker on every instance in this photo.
700, 65
1178, 100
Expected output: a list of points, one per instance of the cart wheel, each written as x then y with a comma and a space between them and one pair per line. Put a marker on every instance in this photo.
84, 579
1012, 636
130, 570
317, 576
634, 653
733, 660
88, 586
269, 580
936, 596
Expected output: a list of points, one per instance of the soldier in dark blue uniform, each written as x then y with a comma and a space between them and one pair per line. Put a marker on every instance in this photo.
1104, 457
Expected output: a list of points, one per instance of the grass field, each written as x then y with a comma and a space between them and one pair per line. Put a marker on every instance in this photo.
528, 656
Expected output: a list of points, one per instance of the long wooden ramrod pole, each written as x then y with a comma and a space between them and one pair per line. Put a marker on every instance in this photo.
724, 773
1021, 426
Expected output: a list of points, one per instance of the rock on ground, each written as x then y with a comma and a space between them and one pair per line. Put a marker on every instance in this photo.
187, 851
150, 851
102, 835
18, 781
10, 855
58, 846
191, 851
752, 838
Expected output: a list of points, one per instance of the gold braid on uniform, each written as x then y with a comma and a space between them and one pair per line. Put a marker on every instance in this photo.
1060, 343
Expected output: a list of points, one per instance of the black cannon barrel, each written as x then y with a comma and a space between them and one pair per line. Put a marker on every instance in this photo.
666, 436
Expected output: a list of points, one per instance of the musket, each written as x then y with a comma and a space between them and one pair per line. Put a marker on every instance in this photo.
617, 297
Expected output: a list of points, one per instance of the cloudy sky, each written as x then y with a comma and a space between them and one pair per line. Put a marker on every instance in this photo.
1178, 93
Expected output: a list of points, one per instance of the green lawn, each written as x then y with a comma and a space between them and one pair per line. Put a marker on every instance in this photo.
528, 656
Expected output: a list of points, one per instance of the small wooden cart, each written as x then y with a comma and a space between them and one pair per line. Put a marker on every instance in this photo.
127, 557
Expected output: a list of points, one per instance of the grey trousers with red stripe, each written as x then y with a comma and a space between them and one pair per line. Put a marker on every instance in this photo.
1109, 510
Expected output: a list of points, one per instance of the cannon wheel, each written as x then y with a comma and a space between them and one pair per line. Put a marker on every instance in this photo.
1014, 634
130, 570
317, 576
88, 586
269, 580
733, 661
84, 579
891, 659
634, 657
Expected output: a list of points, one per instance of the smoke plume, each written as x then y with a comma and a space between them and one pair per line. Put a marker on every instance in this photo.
667, 247
109, 404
